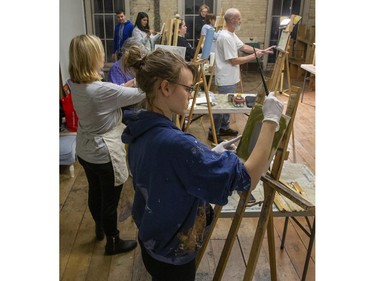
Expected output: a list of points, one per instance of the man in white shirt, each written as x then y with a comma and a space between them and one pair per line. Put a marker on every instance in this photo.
227, 66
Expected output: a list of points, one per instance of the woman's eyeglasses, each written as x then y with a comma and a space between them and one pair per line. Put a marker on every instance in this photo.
188, 89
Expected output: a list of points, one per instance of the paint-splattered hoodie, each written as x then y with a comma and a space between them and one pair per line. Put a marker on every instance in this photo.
175, 177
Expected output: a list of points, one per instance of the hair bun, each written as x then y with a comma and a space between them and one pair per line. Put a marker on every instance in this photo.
139, 63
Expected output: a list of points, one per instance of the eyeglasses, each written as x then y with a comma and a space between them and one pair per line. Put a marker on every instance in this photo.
188, 89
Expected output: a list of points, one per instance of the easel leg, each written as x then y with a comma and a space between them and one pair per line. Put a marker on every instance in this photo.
213, 130
284, 232
196, 90
231, 238
271, 247
311, 242
269, 195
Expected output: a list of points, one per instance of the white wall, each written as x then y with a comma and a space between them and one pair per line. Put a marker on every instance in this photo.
72, 23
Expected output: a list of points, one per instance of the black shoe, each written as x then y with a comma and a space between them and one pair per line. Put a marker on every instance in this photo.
99, 231
211, 138
228, 132
115, 245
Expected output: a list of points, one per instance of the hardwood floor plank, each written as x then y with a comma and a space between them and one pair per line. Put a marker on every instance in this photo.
235, 268
82, 250
70, 219
100, 265
295, 249
67, 182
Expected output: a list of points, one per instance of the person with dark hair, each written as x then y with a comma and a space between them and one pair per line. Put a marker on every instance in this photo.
199, 22
99, 148
182, 42
175, 176
142, 31
123, 30
209, 23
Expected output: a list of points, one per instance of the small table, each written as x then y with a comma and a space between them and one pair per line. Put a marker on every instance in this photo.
309, 68
219, 104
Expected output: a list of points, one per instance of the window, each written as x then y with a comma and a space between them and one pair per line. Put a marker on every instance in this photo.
104, 21
191, 14
281, 8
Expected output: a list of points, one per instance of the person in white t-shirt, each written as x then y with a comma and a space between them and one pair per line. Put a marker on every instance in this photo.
227, 66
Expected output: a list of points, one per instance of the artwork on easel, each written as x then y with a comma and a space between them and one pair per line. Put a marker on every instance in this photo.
283, 41
208, 43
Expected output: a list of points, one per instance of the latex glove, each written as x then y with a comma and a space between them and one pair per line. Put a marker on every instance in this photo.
226, 145
272, 109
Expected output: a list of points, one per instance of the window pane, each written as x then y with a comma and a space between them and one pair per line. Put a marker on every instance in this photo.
108, 7
296, 7
210, 4
98, 6
118, 4
276, 10
99, 26
286, 8
190, 29
275, 28
189, 7
109, 25
109, 45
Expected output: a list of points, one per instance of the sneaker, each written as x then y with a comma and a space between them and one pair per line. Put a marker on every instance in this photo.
211, 138
228, 132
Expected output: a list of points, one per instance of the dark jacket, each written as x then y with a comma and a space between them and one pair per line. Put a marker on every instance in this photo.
174, 177
126, 33
190, 51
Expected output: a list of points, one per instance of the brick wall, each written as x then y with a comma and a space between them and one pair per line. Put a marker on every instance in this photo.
253, 15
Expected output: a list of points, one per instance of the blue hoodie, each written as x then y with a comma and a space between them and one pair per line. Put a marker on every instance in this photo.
175, 177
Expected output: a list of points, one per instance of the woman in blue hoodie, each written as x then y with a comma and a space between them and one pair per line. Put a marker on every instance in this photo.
175, 176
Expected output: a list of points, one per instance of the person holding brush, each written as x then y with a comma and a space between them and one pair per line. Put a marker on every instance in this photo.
227, 66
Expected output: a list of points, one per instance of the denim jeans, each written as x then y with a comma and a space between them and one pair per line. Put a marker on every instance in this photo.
103, 196
221, 121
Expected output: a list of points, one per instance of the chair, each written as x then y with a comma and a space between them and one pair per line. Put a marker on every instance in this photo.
68, 152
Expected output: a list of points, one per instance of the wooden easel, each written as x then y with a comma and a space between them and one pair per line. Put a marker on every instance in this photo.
271, 185
170, 31
294, 19
271, 85
201, 79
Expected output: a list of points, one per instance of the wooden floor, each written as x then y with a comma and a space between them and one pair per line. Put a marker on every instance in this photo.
81, 257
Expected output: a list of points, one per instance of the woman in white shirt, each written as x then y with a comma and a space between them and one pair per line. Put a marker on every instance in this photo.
143, 33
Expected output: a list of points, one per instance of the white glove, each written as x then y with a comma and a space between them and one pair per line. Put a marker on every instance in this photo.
272, 109
226, 145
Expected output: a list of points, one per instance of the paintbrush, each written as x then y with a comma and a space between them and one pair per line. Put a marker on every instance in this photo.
261, 73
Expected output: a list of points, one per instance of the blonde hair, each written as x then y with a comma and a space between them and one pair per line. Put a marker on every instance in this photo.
202, 7
86, 54
153, 67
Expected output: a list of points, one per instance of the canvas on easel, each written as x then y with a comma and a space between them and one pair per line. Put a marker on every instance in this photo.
284, 38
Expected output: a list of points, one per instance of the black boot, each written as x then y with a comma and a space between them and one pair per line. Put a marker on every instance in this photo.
99, 231
115, 245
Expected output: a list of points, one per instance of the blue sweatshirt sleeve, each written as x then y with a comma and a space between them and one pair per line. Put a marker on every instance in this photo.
206, 174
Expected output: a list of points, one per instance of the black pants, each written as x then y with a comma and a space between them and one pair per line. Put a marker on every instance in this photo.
161, 271
103, 195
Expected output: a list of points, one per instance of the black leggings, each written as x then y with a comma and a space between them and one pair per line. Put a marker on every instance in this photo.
161, 271
103, 196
